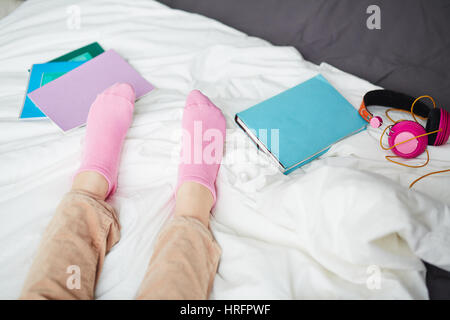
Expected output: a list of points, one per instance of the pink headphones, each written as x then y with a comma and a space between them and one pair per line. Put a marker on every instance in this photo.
408, 139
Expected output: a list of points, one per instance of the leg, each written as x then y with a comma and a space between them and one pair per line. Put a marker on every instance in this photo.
195, 201
85, 227
72, 250
186, 256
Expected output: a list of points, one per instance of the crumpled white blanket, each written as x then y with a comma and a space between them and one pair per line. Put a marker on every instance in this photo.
344, 226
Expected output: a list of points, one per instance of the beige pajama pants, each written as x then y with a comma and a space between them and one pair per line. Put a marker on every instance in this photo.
83, 230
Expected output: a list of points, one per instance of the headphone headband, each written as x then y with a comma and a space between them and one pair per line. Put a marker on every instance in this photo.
391, 99
436, 133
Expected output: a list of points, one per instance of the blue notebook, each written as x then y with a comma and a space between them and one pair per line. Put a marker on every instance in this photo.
40, 75
301, 123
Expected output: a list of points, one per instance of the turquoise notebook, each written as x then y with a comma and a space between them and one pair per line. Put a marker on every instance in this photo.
46, 72
40, 75
301, 123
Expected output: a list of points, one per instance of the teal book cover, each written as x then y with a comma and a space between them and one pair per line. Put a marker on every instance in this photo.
40, 75
301, 123
82, 54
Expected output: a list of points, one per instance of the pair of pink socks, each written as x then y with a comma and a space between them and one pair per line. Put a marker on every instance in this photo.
111, 115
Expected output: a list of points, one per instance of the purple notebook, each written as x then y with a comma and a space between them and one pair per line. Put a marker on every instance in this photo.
66, 100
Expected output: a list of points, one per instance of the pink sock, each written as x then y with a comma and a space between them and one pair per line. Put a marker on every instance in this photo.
108, 121
203, 138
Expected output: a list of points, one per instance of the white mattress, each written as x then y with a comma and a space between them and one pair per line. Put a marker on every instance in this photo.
323, 231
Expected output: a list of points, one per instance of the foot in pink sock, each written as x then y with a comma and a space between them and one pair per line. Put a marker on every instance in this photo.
203, 139
108, 121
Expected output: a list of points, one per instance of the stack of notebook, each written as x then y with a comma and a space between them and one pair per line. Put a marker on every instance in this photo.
64, 88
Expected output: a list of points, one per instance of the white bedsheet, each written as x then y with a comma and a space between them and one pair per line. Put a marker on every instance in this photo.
322, 232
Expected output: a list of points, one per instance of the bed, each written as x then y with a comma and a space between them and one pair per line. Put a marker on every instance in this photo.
345, 226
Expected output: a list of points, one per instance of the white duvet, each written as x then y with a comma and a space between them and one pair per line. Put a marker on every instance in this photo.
344, 226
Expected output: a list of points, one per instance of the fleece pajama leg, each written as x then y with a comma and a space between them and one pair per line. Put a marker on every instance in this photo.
84, 229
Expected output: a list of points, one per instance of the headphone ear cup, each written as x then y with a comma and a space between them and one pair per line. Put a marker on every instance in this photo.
444, 126
433, 123
404, 131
